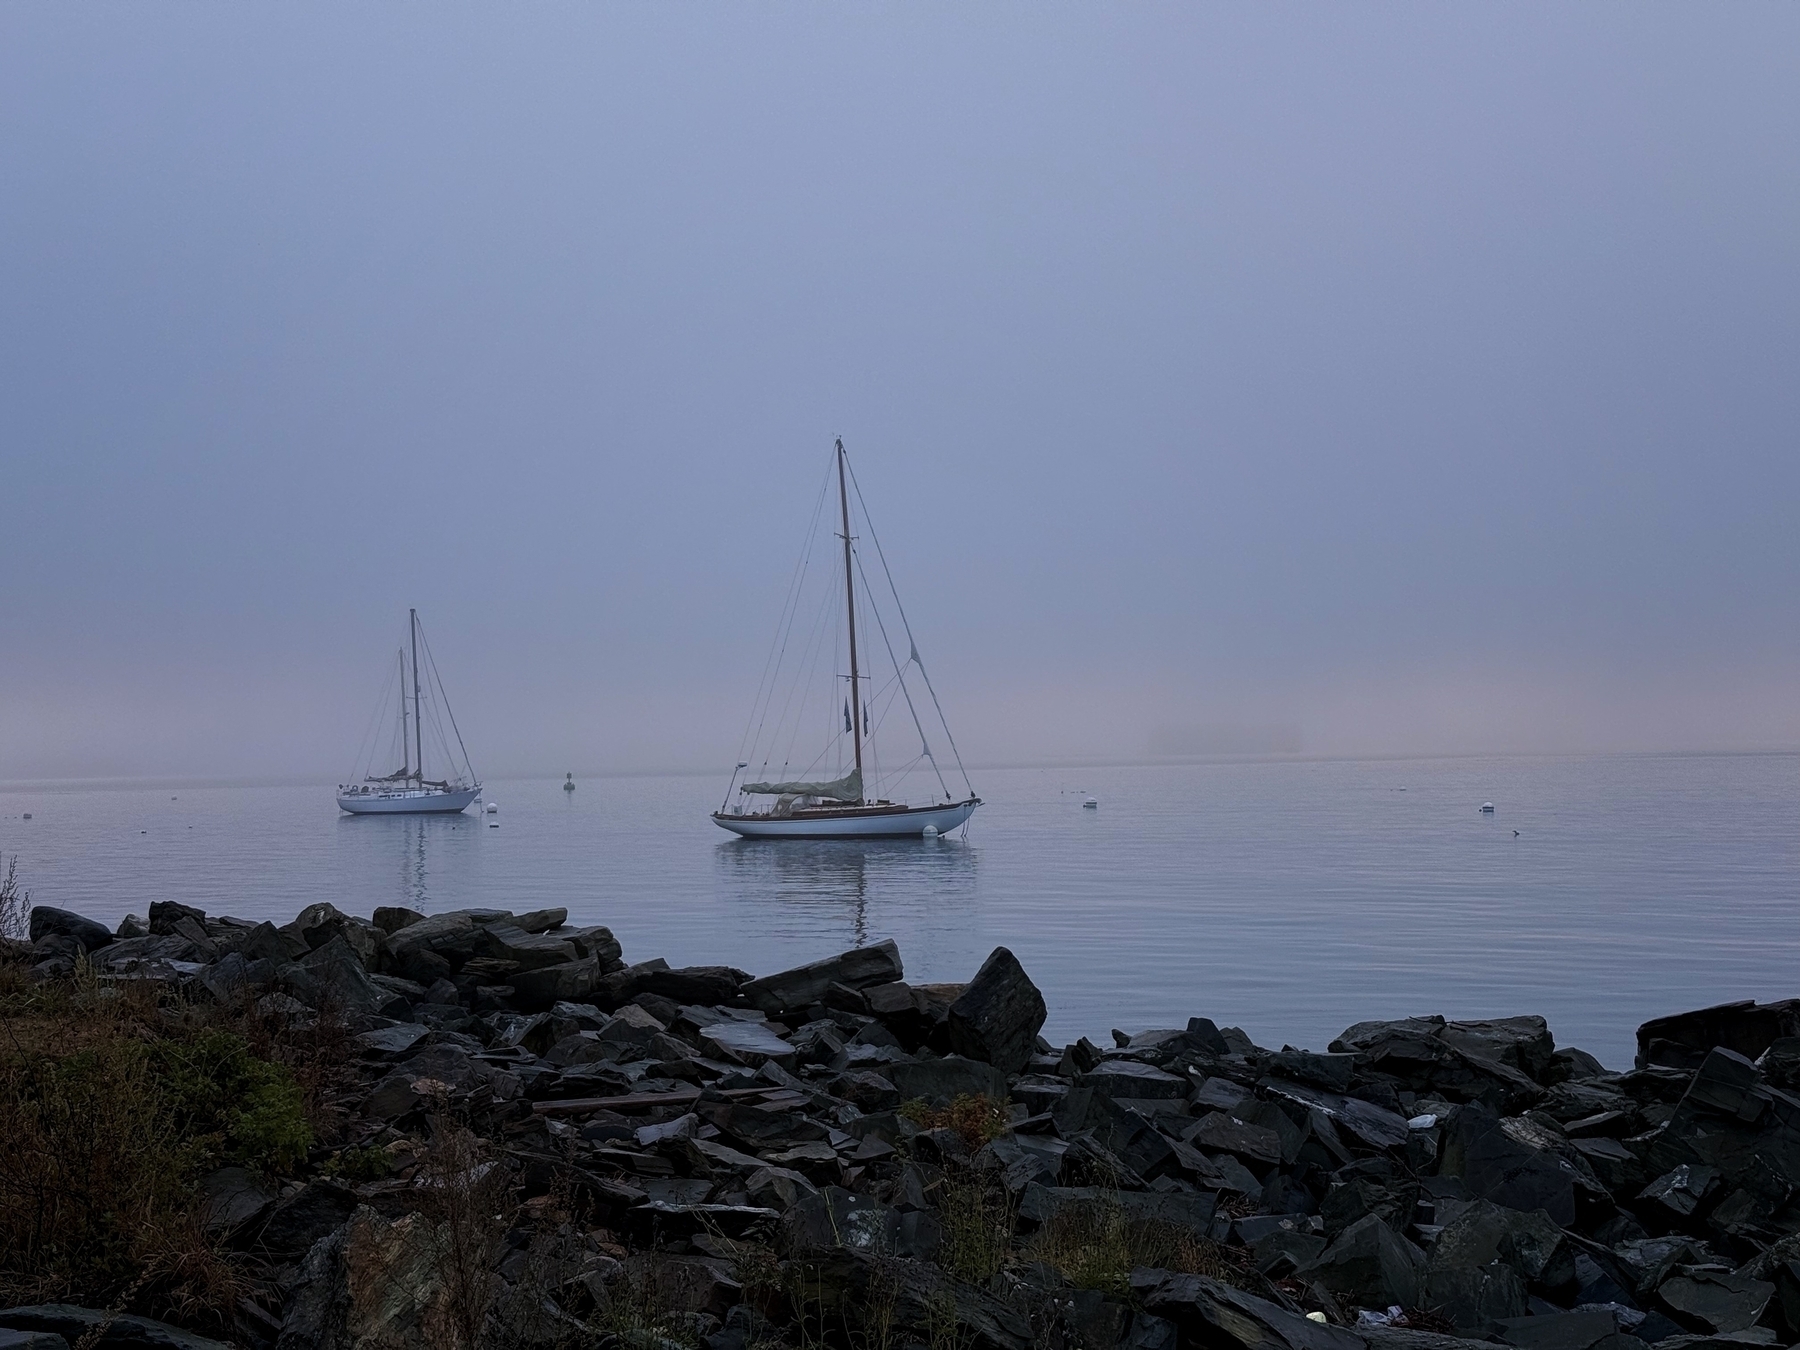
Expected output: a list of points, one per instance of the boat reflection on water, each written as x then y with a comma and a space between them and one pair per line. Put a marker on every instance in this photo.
862, 878
417, 850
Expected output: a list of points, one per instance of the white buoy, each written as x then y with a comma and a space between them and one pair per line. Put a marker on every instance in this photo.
930, 832
493, 808
1091, 804
1487, 808
493, 824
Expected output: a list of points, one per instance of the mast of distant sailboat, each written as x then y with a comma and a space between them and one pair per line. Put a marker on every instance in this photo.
856, 727
412, 619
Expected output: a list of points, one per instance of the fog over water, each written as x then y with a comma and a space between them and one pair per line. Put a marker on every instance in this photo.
1223, 379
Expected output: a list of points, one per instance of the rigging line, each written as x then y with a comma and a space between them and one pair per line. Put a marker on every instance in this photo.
366, 743
899, 675
431, 661
784, 629
808, 659
957, 754
801, 659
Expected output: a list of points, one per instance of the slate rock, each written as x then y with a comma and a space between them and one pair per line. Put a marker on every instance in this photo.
709, 986
165, 914
1522, 1043
333, 977
1129, 1078
231, 1198
374, 1282
102, 1329
997, 1016
297, 1222
1494, 1166
1211, 1314
1221, 1133
1565, 1331
1370, 1264
1531, 1243
1373, 1125
390, 1042
942, 1080
390, 919
805, 985
1683, 1040
31, 1340
1330, 1071
263, 943
570, 981
750, 1043
529, 951
1476, 1298
47, 922
1715, 1301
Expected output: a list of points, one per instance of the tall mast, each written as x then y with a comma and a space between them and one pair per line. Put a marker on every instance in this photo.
856, 717
418, 712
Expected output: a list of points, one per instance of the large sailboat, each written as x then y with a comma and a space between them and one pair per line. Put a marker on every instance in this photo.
794, 738
406, 790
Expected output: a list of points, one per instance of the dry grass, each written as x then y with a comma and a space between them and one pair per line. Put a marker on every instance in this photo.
468, 1200
977, 1216
1094, 1246
107, 1121
978, 1119
15, 903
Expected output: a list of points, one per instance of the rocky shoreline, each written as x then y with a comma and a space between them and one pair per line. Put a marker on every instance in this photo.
525, 1141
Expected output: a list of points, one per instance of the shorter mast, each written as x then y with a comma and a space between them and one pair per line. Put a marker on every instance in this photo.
405, 731
418, 709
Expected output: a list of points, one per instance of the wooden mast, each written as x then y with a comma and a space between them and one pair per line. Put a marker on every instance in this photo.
856, 717
418, 712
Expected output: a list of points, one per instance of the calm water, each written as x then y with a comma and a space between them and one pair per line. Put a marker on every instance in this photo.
1287, 898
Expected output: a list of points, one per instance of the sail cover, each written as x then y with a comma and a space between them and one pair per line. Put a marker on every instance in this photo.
845, 789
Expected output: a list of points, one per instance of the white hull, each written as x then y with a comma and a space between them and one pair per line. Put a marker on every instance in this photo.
898, 823
407, 802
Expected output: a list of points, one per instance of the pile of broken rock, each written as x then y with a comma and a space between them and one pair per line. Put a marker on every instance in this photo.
1419, 1183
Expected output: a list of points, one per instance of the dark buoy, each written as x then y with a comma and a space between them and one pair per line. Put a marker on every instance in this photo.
569, 782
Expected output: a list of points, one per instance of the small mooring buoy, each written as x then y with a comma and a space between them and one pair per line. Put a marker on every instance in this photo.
929, 832
569, 782
1487, 808
1091, 804
493, 808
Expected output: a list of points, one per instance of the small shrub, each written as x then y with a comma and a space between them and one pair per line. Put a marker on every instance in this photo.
978, 1119
241, 1108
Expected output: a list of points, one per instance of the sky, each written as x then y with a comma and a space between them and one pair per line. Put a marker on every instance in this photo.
1374, 379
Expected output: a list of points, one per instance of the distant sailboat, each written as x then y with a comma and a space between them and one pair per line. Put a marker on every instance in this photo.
810, 804
407, 791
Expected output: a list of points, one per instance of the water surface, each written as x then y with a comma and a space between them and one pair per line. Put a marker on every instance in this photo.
1288, 898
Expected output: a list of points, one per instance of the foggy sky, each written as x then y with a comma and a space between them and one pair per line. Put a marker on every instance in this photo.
1356, 379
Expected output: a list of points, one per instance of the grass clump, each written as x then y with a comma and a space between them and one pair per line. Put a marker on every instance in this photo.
1093, 1245
979, 1119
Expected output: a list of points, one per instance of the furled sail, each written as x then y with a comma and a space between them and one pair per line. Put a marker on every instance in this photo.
845, 789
